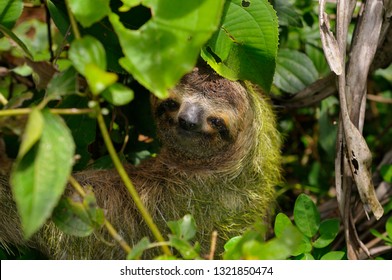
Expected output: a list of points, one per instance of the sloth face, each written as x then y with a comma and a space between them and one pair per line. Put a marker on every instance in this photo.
202, 117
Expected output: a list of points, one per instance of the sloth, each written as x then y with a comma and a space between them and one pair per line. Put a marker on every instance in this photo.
219, 161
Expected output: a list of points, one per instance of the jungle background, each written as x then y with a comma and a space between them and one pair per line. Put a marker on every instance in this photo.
35, 46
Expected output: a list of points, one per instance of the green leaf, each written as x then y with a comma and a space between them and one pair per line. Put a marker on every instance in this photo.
334, 255
63, 83
287, 14
98, 79
245, 46
304, 246
138, 249
386, 173
88, 12
375, 233
305, 257
294, 71
86, 51
39, 177
166, 47
306, 216
186, 250
275, 249
78, 218
10, 11
232, 243
184, 228
33, 132
71, 218
281, 223
329, 229
95, 214
16, 39
118, 94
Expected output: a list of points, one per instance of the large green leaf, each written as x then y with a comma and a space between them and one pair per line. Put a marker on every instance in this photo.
294, 71
40, 174
89, 58
329, 229
88, 12
10, 11
245, 47
87, 51
162, 50
306, 215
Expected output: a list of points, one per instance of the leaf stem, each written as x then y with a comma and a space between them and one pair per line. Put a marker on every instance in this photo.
112, 231
26, 111
128, 183
74, 24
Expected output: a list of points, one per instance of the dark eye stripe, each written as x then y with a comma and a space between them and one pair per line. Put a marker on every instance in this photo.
168, 105
217, 123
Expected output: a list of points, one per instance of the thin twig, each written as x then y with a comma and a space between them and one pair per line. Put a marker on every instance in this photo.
214, 237
128, 183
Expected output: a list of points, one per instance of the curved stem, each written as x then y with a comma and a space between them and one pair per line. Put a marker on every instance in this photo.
74, 24
112, 231
128, 183
26, 111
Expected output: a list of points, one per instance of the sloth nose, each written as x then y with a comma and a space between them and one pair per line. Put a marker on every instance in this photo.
190, 117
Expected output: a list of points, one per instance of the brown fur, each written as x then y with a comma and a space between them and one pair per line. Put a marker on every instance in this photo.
222, 171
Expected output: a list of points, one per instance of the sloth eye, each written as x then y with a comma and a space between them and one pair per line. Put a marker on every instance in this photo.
217, 123
170, 104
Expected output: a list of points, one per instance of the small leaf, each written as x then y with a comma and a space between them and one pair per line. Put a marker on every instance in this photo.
294, 71
306, 215
186, 250
118, 94
281, 223
32, 133
232, 243
63, 83
329, 229
39, 177
184, 228
98, 79
72, 218
334, 255
138, 249
88, 12
10, 11
85, 51
78, 218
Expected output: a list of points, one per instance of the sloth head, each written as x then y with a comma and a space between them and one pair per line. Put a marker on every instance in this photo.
204, 117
